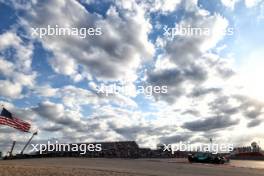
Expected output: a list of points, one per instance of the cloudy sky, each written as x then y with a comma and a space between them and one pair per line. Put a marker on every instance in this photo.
214, 82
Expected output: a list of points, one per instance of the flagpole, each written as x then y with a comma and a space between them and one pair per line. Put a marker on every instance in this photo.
12, 148
28, 142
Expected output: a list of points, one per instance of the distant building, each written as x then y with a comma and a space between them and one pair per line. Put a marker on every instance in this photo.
123, 149
252, 152
119, 149
246, 149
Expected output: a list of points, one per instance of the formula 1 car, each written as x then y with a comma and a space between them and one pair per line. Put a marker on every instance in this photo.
202, 157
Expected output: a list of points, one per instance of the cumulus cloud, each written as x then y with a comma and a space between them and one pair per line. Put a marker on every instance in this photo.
15, 68
224, 105
175, 79
175, 138
9, 89
123, 44
163, 6
211, 123
23, 51
136, 131
197, 92
56, 113
251, 108
254, 123
189, 56
74, 97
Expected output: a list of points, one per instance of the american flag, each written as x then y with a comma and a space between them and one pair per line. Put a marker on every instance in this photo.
7, 118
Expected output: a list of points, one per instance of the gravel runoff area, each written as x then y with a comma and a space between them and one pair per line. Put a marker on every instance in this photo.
120, 167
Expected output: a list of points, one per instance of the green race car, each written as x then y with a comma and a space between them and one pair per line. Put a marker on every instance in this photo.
203, 157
